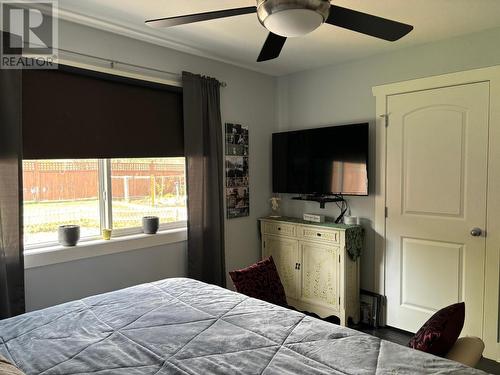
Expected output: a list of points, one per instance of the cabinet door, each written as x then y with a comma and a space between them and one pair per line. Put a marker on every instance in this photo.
319, 273
285, 253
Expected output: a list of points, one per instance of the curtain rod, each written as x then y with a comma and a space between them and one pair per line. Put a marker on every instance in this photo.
113, 62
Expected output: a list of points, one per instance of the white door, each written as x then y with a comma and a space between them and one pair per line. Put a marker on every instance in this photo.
437, 146
285, 253
319, 270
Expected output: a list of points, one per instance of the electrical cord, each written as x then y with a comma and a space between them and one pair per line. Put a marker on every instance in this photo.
343, 207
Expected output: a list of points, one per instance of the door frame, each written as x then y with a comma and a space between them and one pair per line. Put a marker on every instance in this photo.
491, 316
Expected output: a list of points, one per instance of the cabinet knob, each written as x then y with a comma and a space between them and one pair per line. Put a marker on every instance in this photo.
279, 228
318, 234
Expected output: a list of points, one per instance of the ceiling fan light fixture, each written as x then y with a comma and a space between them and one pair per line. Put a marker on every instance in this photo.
293, 22
292, 18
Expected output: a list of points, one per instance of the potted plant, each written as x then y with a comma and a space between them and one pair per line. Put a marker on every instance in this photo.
68, 235
150, 224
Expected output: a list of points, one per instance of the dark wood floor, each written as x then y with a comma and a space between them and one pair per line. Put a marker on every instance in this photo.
402, 337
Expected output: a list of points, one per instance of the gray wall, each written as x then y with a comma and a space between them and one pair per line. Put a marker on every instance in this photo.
342, 94
248, 99
62, 282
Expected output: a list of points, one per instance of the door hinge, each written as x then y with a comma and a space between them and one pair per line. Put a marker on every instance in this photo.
386, 212
264, 244
386, 120
339, 258
339, 300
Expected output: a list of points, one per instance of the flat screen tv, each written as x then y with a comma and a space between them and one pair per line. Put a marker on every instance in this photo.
323, 161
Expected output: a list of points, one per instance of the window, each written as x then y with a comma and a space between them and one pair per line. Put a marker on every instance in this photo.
58, 192
101, 193
143, 187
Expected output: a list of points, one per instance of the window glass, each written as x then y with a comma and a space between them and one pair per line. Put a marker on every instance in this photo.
147, 187
60, 192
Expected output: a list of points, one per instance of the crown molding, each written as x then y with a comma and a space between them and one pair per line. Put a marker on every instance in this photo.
139, 34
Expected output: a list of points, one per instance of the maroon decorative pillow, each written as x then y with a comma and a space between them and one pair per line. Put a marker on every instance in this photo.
438, 335
261, 281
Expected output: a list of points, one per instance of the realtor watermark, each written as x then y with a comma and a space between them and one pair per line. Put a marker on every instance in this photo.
29, 34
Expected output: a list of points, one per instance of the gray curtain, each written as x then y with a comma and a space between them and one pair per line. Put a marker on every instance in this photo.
204, 169
11, 249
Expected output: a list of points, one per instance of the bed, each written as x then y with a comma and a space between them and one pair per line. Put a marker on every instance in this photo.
183, 326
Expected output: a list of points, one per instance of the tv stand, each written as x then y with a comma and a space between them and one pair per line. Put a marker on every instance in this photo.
321, 199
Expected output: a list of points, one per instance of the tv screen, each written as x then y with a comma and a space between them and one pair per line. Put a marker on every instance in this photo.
322, 161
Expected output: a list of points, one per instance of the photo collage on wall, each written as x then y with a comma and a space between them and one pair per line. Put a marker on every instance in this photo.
237, 179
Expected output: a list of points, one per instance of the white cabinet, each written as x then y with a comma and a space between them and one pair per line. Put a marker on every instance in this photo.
285, 252
319, 274
316, 271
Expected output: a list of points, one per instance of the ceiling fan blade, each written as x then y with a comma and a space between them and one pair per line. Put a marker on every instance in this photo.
367, 24
272, 47
198, 17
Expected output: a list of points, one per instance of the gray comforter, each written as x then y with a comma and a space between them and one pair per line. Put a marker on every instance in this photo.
182, 326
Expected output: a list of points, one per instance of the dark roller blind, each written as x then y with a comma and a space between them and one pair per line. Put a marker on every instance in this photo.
75, 113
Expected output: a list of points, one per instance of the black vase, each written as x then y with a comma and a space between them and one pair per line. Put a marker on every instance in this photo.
68, 235
150, 224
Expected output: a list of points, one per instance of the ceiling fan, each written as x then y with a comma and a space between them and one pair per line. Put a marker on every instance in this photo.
292, 18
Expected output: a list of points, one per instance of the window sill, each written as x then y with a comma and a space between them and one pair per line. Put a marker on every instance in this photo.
89, 249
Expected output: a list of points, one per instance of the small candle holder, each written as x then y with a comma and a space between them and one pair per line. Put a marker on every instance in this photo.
106, 234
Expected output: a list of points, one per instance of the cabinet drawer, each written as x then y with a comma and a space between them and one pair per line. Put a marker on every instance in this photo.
319, 234
279, 228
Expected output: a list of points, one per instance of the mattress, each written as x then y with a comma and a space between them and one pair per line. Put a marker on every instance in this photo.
183, 326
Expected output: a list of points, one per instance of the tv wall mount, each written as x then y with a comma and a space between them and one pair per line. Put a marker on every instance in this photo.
321, 199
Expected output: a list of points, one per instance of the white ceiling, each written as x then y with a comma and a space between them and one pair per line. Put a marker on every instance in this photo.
238, 40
